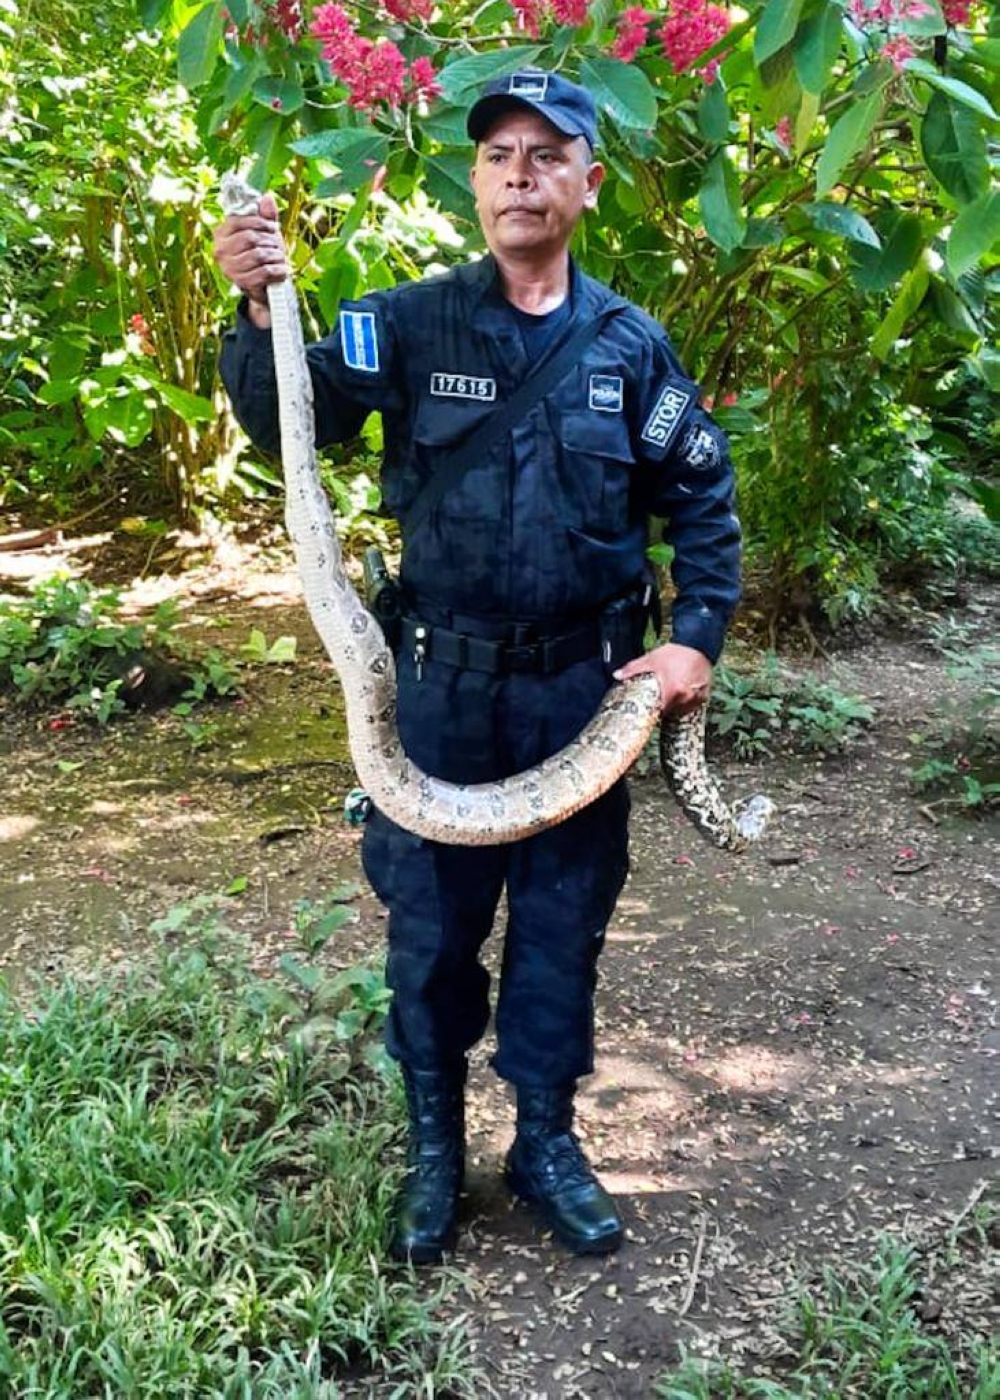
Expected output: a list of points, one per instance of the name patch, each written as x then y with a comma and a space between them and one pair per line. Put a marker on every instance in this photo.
463, 386
662, 422
359, 340
607, 393
532, 85
699, 448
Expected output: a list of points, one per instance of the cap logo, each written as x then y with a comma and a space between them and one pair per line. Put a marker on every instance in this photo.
533, 86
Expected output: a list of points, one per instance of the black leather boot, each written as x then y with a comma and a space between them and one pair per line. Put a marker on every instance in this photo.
547, 1168
428, 1204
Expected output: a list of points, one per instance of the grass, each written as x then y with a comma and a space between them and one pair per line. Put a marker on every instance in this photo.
197, 1167
857, 1336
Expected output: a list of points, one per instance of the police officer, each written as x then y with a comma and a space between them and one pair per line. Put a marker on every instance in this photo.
525, 590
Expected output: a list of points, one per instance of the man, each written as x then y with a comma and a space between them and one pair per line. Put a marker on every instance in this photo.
525, 589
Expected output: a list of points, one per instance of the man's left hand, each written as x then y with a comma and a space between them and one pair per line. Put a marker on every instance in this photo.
684, 674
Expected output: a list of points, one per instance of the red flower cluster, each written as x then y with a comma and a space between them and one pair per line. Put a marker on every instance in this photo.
139, 326
371, 72
632, 33
956, 11
531, 14
692, 27
867, 13
287, 15
407, 11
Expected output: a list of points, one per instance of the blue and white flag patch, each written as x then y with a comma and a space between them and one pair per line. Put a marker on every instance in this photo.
667, 414
607, 393
531, 85
359, 340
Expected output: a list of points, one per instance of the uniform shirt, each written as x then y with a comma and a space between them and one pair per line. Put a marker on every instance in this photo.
552, 523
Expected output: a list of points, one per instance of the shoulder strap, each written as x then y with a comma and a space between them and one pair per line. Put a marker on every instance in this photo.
453, 466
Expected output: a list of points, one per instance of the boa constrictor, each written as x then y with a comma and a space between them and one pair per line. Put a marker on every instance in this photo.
483, 813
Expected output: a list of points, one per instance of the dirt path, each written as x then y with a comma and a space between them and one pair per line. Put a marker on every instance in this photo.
796, 1049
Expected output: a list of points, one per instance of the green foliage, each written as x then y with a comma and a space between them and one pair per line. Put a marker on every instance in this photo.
964, 767
197, 1185
280, 652
753, 712
66, 644
857, 1333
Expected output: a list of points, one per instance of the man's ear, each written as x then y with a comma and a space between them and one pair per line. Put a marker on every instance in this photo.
595, 179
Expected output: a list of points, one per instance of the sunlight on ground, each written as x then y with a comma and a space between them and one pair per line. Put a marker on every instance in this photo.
15, 828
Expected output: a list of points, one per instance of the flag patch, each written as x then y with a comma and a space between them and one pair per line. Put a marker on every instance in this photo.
662, 422
359, 340
607, 393
531, 85
463, 386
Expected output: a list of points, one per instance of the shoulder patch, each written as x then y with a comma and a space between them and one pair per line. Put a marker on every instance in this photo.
607, 393
699, 448
666, 415
359, 340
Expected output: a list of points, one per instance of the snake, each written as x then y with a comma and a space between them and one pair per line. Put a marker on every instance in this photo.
476, 814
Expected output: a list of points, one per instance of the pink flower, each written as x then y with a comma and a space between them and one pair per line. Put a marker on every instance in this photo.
530, 14
287, 15
571, 12
409, 10
898, 51
633, 25
692, 27
423, 81
783, 131
956, 11
868, 13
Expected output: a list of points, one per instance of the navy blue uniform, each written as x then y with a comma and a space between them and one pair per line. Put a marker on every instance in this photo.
534, 540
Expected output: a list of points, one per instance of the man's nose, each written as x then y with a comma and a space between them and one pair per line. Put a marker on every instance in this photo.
519, 172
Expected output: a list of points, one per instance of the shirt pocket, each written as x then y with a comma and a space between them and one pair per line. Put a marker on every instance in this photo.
599, 461
444, 425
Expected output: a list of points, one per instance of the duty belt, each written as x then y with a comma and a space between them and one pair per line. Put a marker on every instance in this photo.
540, 656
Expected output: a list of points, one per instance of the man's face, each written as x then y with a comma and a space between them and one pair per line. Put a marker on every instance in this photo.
532, 184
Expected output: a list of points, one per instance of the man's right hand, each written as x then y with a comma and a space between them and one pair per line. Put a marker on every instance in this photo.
250, 252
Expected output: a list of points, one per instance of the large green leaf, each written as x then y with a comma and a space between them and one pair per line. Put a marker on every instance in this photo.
911, 294
152, 11
447, 179
283, 94
713, 113
846, 140
465, 75
878, 269
198, 45
817, 44
445, 125
622, 90
954, 87
193, 408
954, 147
356, 152
830, 217
776, 28
974, 233
720, 203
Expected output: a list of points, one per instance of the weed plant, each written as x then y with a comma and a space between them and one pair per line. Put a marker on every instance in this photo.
67, 644
755, 711
856, 1337
196, 1176
963, 746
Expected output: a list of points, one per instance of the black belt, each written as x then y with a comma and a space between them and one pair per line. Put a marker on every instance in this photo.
541, 656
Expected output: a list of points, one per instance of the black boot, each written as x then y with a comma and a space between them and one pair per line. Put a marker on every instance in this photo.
428, 1204
547, 1168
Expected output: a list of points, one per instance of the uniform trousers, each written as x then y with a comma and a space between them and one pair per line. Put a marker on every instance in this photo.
562, 884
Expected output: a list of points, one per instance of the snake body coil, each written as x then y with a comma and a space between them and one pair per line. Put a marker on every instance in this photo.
481, 813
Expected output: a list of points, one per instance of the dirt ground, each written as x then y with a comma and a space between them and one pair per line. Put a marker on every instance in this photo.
797, 1047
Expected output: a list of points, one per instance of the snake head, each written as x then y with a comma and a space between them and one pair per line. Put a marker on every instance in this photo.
236, 196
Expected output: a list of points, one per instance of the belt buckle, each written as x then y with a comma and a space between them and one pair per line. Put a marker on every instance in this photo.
522, 656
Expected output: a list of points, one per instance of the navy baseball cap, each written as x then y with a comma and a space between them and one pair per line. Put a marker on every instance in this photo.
569, 107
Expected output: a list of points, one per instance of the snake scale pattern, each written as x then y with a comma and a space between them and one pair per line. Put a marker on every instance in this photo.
483, 813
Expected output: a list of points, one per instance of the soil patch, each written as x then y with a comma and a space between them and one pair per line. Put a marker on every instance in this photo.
797, 1048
